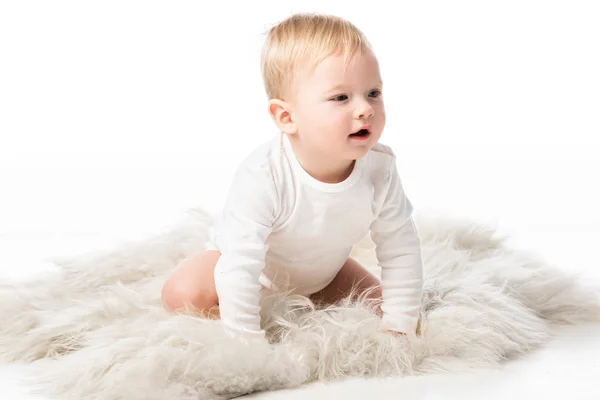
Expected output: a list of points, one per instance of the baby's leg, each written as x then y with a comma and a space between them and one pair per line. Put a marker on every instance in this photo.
192, 286
351, 276
355, 276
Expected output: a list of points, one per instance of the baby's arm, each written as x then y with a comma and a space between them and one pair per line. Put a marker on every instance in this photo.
242, 240
398, 250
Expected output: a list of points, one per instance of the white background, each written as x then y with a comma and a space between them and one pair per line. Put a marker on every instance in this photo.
116, 116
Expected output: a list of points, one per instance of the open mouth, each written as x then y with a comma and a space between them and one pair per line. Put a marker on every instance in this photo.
362, 134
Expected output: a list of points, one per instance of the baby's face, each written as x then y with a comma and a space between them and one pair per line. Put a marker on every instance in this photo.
335, 101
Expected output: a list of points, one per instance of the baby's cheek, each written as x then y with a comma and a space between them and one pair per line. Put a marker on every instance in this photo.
341, 124
326, 124
380, 117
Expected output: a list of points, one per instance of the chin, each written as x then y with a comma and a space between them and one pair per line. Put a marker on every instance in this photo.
360, 152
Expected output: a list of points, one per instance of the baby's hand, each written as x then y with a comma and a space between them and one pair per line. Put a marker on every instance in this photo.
421, 326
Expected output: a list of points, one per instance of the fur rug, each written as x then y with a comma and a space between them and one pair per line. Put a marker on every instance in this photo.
97, 329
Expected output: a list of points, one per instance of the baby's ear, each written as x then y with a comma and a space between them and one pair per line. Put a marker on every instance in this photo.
280, 111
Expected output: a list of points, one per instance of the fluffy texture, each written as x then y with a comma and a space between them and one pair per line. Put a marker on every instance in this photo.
97, 330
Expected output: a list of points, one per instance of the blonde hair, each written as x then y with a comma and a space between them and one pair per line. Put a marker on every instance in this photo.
305, 38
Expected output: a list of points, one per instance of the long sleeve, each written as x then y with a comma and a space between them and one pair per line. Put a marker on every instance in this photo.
398, 251
246, 223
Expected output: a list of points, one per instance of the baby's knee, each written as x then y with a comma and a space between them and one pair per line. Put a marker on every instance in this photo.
178, 296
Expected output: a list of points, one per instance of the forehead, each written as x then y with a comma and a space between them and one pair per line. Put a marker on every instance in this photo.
363, 65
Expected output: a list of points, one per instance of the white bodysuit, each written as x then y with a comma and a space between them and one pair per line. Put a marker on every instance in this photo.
284, 230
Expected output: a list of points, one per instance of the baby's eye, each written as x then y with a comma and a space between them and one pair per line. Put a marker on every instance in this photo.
341, 97
376, 93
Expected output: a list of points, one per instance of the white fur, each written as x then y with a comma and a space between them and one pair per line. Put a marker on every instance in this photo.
101, 322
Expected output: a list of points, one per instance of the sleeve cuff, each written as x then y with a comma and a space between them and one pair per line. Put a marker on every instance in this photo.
403, 324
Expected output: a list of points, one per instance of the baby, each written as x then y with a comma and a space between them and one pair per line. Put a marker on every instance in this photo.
299, 202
